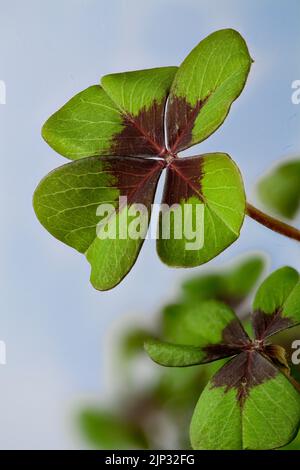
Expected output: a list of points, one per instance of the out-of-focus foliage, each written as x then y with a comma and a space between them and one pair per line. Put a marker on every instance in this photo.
230, 286
280, 189
245, 405
111, 431
157, 416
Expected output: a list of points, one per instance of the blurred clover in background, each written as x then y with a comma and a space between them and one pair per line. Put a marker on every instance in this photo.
157, 415
279, 190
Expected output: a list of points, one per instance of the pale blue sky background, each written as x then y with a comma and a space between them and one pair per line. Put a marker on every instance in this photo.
52, 320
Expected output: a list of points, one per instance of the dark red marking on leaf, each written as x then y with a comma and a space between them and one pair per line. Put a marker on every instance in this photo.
234, 333
244, 372
214, 352
136, 178
142, 134
183, 180
181, 117
234, 340
265, 325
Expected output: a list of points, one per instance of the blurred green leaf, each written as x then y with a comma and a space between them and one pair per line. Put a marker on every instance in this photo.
179, 387
107, 431
231, 286
280, 189
133, 343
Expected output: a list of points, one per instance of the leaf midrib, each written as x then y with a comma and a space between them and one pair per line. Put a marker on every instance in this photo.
188, 182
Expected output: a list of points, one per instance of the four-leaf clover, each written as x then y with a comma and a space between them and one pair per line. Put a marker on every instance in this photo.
251, 402
122, 134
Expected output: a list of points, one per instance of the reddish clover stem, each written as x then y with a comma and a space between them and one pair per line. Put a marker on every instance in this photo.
272, 223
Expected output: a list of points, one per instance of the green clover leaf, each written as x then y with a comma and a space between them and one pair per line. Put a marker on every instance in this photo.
251, 402
116, 133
